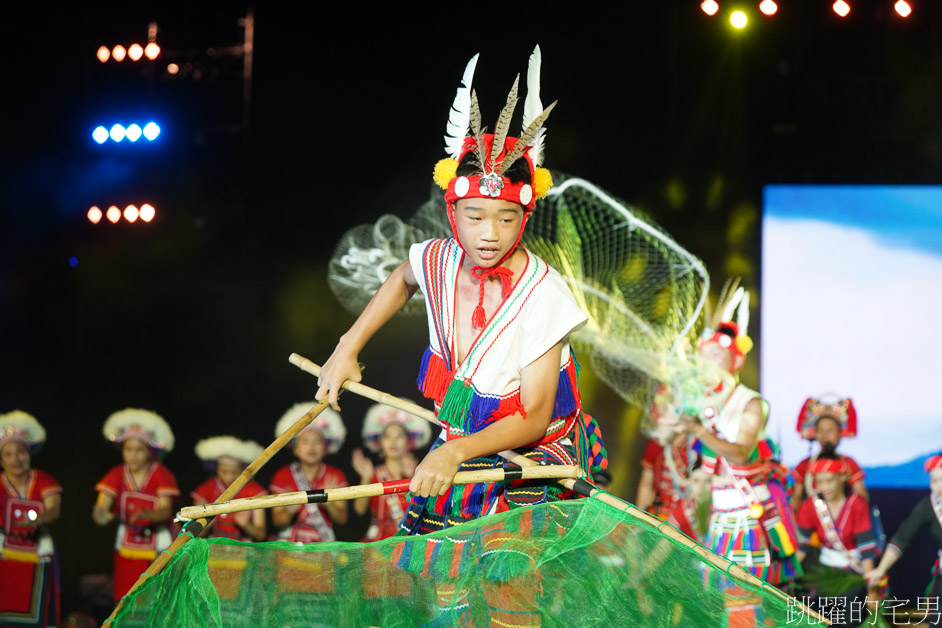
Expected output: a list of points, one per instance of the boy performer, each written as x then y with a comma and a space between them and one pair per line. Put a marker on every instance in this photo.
498, 365
752, 523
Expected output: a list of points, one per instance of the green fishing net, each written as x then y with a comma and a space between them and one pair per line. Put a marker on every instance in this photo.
572, 563
641, 290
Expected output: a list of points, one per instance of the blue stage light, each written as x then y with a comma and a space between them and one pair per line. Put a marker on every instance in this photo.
100, 134
151, 130
133, 133
117, 132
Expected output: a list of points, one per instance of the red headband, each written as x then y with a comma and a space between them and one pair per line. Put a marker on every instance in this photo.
491, 184
934, 462
827, 465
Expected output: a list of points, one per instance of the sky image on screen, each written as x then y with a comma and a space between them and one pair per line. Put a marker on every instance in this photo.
851, 298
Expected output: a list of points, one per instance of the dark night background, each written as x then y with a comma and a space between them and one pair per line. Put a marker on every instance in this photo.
194, 315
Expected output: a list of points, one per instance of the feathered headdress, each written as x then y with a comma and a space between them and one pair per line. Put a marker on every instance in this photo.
23, 427
211, 450
827, 405
328, 423
494, 153
720, 325
143, 425
379, 417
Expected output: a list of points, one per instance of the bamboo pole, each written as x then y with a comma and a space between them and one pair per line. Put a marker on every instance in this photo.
582, 487
198, 526
324, 495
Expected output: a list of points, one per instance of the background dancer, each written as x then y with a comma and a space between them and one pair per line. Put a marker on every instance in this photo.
826, 420
927, 515
30, 501
227, 456
394, 435
314, 522
840, 518
140, 493
752, 523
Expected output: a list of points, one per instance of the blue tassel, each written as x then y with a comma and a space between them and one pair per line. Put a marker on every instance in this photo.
423, 369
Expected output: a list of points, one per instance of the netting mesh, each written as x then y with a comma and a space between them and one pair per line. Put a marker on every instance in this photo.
641, 290
579, 562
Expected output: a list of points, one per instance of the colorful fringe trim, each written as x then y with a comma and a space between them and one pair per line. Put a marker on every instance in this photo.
466, 410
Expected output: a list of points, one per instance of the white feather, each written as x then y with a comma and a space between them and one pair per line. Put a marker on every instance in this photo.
742, 314
732, 304
533, 106
459, 118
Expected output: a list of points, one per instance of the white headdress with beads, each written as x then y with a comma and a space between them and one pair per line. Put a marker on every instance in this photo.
216, 447
380, 416
327, 423
144, 425
23, 427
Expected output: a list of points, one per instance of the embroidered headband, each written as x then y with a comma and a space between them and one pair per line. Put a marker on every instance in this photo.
934, 462
827, 465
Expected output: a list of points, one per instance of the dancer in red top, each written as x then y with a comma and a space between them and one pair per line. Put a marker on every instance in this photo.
663, 475
228, 455
395, 435
826, 420
30, 501
140, 493
311, 522
840, 519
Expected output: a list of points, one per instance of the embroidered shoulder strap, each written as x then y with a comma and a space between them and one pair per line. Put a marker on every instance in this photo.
830, 532
313, 516
391, 501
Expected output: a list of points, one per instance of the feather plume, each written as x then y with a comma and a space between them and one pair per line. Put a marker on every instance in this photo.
719, 310
503, 122
477, 130
742, 314
532, 106
730, 308
458, 118
525, 139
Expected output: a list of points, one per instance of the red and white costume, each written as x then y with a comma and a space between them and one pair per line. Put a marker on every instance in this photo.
29, 574
137, 543
313, 523
665, 485
224, 525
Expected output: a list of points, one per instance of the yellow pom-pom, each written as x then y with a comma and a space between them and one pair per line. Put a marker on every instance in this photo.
445, 170
745, 344
542, 181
